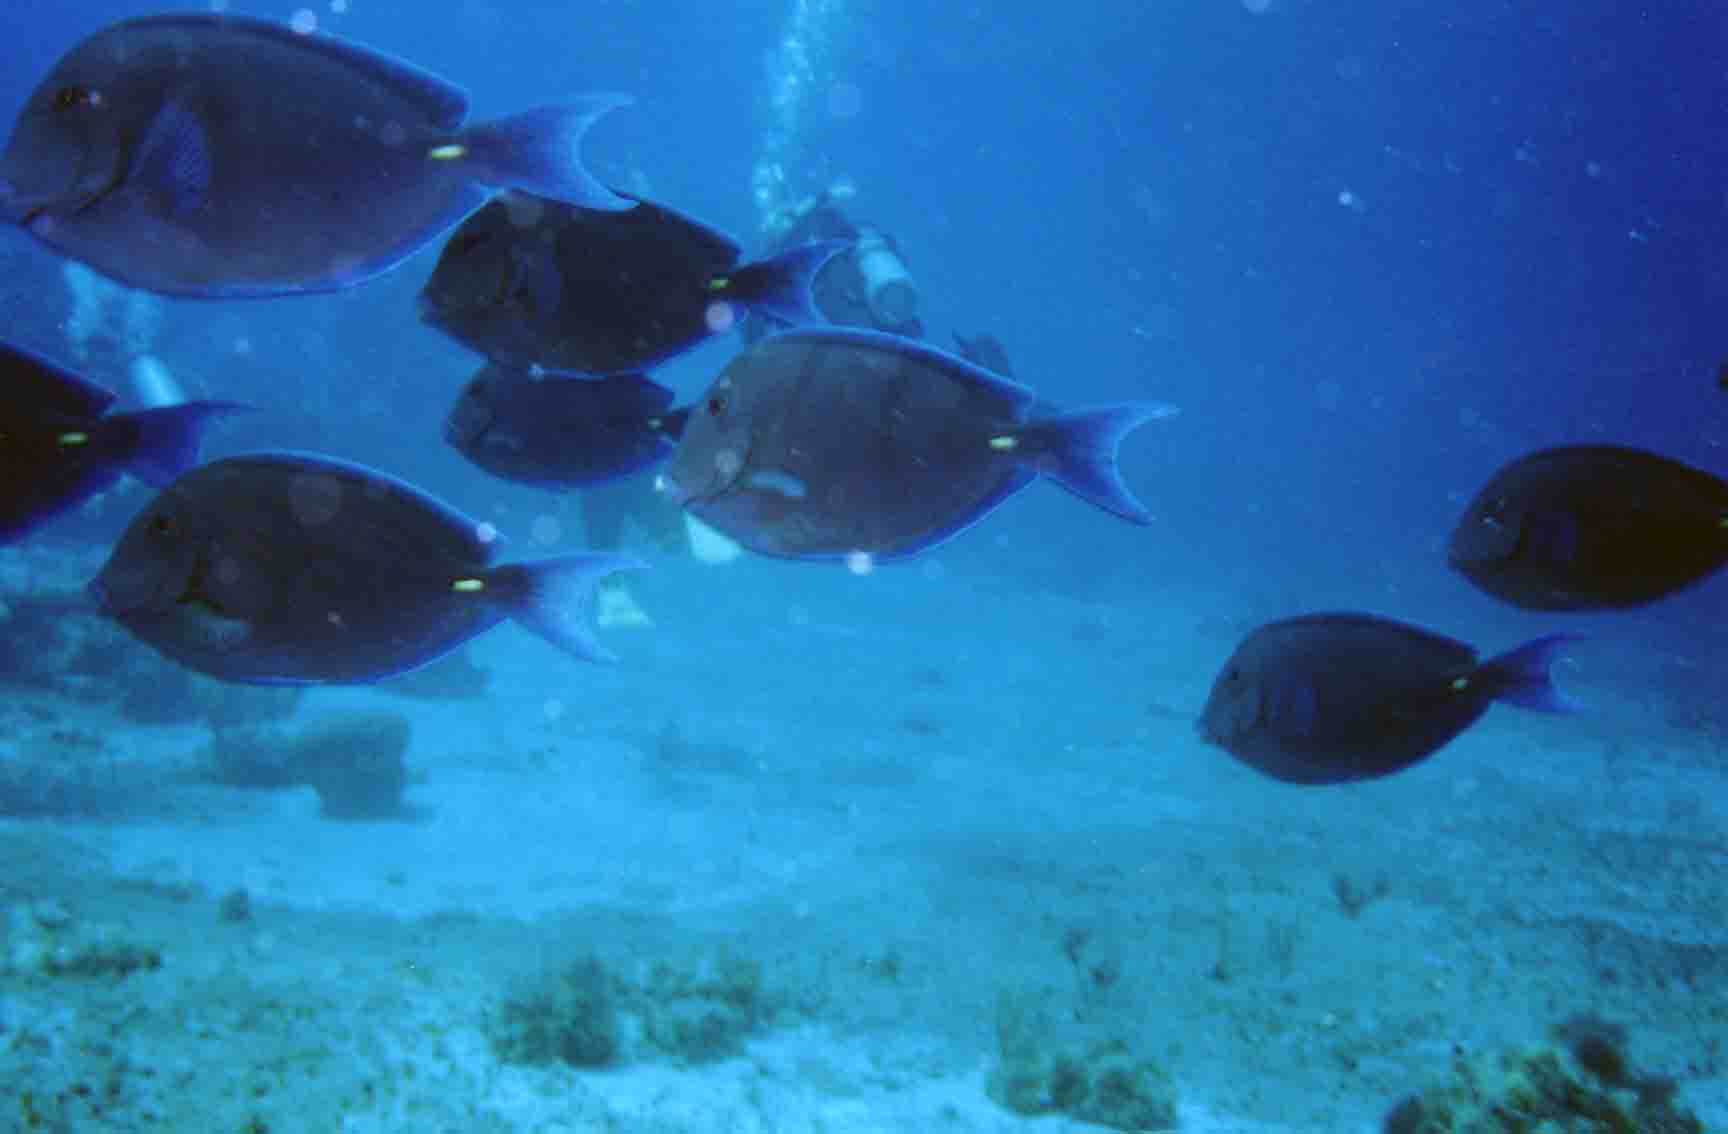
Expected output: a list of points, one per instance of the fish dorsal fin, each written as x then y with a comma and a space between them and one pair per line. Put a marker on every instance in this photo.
952, 365
173, 162
444, 103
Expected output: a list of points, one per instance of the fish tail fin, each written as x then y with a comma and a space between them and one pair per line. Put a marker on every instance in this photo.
780, 286
1077, 450
1524, 676
539, 150
157, 445
557, 598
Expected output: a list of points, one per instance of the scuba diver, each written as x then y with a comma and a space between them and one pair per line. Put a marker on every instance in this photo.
867, 286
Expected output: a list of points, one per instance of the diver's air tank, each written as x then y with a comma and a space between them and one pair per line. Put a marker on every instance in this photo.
888, 286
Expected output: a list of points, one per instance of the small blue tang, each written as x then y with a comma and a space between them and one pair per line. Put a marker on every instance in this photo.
214, 155
1335, 698
59, 445
1592, 527
531, 282
293, 568
561, 432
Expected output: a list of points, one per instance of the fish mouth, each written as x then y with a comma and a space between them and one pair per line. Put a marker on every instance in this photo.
667, 485
86, 190
459, 434
18, 210
725, 470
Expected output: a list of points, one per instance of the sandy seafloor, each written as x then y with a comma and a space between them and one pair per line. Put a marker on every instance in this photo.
903, 795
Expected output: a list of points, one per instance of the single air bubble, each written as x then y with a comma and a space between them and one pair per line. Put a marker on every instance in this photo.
547, 530
304, 21
242, 345
554, 709
720, 316
339, 6
486, 533
860, 562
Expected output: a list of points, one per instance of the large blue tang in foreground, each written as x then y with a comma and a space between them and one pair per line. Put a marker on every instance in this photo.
531, 282
1334, 698
833, 443
289, 568
197, 154
562, 433
59, 445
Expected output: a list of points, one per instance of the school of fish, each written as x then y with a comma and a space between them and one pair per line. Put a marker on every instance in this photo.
156, 153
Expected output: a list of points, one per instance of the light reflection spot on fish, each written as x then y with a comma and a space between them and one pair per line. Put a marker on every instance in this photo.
720, 316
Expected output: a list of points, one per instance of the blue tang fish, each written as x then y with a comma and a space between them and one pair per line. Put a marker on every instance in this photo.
562, 432
59, 445
532, 282
1592, 527
213, 155
1334, 698
290, 568
827, 443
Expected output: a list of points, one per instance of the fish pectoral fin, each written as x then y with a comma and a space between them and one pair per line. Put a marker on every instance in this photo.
173, 161
211, 627
777, 481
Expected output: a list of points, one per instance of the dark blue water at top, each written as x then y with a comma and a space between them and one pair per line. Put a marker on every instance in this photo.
1371, 251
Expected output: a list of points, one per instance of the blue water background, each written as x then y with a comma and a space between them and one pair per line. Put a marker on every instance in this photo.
1371, 251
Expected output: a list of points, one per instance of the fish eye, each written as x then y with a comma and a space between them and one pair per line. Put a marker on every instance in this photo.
716, 405
68, 97
162, 524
